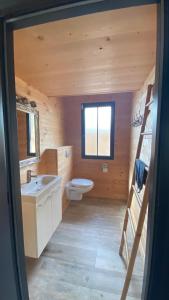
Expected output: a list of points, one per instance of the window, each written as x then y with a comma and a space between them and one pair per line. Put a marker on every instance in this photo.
31, 141
98, 130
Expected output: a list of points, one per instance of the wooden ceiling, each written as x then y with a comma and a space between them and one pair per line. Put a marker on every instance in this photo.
100, 53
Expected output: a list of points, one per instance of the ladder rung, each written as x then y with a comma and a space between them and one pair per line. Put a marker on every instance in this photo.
143, 203
137, 195
126, 247
146, 133
131, 222
147, 168
149, 103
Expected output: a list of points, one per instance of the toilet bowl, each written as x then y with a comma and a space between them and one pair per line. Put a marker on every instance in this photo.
77, 187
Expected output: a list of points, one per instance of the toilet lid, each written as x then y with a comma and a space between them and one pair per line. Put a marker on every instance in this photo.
81, 182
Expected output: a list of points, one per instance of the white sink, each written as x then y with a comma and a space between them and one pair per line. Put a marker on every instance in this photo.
41, 211
39, 184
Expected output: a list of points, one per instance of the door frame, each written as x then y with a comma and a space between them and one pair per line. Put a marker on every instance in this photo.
33, 13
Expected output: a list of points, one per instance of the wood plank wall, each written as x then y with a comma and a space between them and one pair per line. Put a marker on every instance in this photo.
51, 131
114, 184
138, 103
60, 161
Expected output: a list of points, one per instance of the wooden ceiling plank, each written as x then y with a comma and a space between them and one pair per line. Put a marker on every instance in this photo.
114, 48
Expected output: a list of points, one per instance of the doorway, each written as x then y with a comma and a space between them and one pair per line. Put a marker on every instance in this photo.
12, 140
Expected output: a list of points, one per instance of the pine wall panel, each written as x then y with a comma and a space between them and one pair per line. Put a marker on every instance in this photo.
114, 183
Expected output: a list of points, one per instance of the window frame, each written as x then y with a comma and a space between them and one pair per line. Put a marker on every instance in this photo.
112, 131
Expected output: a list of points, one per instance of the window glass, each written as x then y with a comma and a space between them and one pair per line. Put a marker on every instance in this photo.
97, 130
31, 133
104, 130
91, 131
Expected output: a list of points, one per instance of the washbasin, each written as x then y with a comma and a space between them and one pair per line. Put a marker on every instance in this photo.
41, 212
39, 184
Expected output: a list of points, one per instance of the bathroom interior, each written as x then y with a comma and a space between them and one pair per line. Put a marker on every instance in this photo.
81, 86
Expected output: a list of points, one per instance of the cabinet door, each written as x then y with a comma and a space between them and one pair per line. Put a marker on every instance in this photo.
29, 227
56, 208
44, 223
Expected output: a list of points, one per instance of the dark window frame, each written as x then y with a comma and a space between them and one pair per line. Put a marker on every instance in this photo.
112, 133
15, 16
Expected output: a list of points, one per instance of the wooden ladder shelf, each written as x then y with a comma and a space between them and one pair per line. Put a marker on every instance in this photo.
143, 203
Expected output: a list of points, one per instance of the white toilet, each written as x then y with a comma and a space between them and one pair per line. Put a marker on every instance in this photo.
77, 187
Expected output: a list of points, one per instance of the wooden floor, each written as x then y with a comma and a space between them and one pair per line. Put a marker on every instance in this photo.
81, 261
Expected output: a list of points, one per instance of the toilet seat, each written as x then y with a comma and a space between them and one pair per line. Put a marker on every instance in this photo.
77, 187
79, 182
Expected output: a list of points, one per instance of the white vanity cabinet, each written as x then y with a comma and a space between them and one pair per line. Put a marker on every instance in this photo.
43, 224
56, 211
42, 213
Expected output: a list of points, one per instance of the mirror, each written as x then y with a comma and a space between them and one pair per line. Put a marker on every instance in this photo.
28, 134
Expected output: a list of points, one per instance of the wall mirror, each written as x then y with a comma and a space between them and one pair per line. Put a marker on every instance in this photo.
28, 134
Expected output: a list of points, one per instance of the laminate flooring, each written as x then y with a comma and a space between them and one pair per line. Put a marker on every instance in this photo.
81, 261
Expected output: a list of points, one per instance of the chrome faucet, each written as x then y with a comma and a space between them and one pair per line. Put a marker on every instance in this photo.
29, 175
